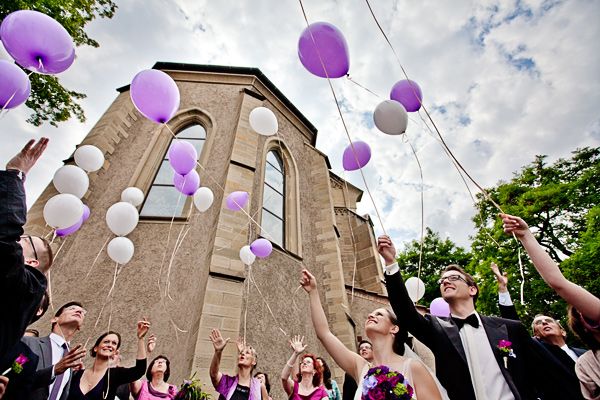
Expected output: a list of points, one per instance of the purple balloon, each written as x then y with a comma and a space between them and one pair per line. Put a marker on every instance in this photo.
37, 42
71, 229
332, 49
237, 200
155, 94
14, 85
187, 184
86, 213
261, 248
408, 93
182, 156
439, 308
356, 158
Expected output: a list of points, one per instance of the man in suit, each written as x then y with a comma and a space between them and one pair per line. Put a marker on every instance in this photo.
56, 357
365, 349
24, 259
473, 359
549, 334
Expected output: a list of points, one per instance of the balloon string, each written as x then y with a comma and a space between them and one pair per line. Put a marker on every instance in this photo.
361, 86
178, 243
251, 277
346, 194
520, 269
96, 258
342, 119
8, 102
162, 263
116, 273
483, 191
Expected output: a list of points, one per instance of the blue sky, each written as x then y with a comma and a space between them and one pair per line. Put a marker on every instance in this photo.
505, 80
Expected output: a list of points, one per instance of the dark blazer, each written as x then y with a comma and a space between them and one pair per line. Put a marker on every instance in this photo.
566, 363
21, 286
526, 371
20, 385
42, 347
350, 387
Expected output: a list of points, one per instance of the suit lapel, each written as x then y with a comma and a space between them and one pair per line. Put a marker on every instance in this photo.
452, 331
46, 350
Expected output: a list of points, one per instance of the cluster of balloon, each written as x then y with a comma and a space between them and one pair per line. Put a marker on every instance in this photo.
36, 42
65, 212
439, 308
356, 156
323, 50
390, 116
121, 218
261, 248
415, 288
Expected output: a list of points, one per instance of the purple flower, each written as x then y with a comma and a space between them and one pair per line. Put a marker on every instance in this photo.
21, 359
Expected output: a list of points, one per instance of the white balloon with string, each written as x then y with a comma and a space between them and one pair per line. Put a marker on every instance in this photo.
132, 195
122, 218
71, 179
89, 158
120, 250
390, 117
246, 255
263, 121
415, 288
203, 198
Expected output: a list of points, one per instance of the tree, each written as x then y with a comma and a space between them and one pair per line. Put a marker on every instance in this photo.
560, 204
437, 254
49, 100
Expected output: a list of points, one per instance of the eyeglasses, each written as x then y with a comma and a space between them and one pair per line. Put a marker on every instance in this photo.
32, 245
306, 362
452, 278
541, 321
76, 308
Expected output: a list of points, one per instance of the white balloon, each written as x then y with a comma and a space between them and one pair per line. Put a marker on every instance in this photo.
89, 158
122, 218
120, 250
63, 210
415, 288
203, 198
246, 255
390, 117
263, 121
132, 195
71, 179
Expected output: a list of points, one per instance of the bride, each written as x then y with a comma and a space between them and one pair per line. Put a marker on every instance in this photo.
387, 339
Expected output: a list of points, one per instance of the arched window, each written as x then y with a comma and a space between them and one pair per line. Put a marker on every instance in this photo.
162, 199
273, 207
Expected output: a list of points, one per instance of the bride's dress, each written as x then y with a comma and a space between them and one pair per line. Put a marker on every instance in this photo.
411, 357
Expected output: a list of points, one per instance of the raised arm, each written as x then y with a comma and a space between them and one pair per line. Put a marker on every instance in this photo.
298, 346
219, 344
400, 301
584, 301
136, 386
507, 308
348, 360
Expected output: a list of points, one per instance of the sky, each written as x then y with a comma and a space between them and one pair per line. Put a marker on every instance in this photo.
503, 80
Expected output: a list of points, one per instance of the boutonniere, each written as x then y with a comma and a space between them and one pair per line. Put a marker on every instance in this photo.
17, 365
506, 350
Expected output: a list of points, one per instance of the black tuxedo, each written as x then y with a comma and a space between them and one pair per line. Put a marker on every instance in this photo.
20, 385
42, 347
525, 371
566, 363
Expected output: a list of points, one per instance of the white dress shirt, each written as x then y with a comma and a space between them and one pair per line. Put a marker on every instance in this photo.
57, 353
570, 352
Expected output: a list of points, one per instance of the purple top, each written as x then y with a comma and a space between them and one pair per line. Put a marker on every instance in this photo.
147, 392
228, 383
317, 394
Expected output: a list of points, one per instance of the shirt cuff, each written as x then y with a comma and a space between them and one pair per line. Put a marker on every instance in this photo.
392, 269
52, 376
504, 299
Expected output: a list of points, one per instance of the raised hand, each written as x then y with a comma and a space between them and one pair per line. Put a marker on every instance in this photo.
241, 344
297, 344
70, 360
516, 225
217, 340
308, 281
502, 279
386, 249
151, 345
28, 156
142, 328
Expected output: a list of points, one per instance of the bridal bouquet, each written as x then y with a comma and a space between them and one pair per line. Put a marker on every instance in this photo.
380, 383
192, 390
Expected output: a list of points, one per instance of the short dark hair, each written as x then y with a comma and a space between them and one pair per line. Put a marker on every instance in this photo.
267, 383
65, 306
578, 326
363, 342
105, 334
326, 374
468, 277
167, 371
44, 304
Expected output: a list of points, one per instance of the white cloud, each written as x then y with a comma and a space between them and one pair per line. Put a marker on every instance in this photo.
504, 81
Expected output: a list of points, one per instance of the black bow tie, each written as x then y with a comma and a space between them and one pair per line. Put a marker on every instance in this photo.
471, 320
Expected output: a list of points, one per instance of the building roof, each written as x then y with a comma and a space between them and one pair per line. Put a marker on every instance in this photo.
238, 71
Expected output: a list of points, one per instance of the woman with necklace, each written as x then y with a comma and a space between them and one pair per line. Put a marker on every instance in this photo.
100, 382
307, 385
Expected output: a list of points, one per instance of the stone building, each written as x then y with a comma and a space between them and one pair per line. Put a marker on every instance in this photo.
186, 275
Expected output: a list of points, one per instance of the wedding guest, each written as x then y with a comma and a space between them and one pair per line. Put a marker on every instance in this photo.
264, 379
365, 350
587, 367
330, 384
242, 385
307, 383
100, 382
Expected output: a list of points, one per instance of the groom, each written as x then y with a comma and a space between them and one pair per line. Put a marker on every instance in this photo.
472, 359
